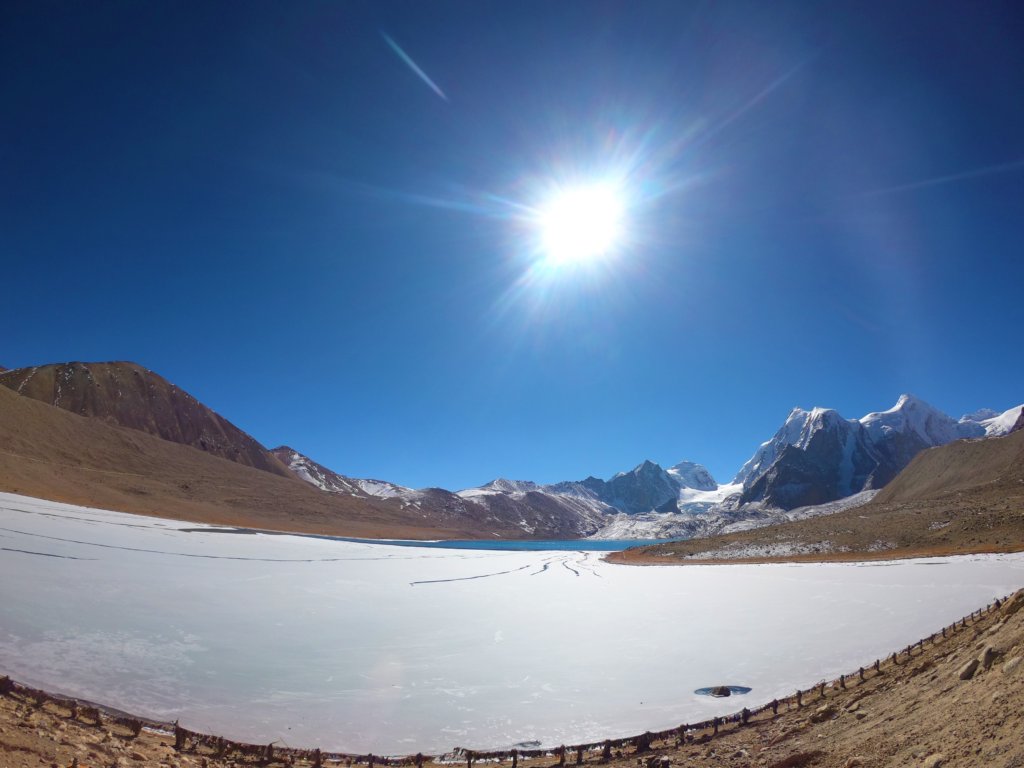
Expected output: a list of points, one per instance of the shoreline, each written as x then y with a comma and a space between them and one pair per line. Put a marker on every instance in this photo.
617, 557
623, 557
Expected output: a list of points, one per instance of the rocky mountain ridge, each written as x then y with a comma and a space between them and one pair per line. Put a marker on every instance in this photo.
817, 456
815, 460
127, 395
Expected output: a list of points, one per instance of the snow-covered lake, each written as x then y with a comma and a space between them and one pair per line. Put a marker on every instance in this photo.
361, 647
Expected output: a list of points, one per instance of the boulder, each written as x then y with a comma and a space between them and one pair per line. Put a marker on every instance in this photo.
967, 670
989, 655
934, 761
1014, 604
1012, 665
823, 713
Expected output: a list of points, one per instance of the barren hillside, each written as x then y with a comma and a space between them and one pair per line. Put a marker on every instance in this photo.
53, 454
129, 395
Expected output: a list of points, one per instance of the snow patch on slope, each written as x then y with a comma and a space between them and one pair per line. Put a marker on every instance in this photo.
996, 424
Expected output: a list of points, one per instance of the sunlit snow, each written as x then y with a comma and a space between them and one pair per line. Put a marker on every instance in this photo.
361, 647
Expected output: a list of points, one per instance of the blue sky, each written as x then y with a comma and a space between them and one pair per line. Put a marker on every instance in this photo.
265, 204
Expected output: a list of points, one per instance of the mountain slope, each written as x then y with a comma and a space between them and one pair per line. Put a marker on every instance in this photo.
128, 395
966, 496
817, 456
980, 467
328, 480
50, 453
502, 505
647, 488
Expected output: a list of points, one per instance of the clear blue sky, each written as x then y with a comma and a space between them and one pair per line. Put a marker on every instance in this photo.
266, 204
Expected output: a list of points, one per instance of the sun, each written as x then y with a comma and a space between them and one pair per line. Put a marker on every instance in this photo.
581, 224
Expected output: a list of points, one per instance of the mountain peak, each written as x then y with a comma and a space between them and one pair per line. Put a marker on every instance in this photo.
690, 474
908, 400
510, 486
128, 395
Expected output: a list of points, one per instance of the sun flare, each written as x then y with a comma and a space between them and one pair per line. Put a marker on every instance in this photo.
581, 224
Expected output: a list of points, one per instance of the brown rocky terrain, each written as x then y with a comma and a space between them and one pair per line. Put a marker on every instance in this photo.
128, 395
963, 497
955, 699
51, 453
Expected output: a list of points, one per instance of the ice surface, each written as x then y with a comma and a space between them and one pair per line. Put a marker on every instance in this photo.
366, 647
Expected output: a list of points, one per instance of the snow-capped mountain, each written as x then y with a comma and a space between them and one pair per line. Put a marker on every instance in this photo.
504, 503
815, 461
993, 423
688, 474
646, 488
817, 456
328, 480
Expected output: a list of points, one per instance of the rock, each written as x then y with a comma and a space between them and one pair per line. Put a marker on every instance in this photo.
1014, 604
138, 756
934, 761
1012, 665
854, 762
989, 655
823, 713
861, 715
968, 669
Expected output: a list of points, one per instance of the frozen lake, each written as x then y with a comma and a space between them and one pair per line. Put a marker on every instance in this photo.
362, 647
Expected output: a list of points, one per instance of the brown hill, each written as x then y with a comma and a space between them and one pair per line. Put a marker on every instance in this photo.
129, 395
966, 496
966, 465
50, 453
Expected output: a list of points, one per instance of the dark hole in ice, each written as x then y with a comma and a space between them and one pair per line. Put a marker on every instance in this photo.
723, 690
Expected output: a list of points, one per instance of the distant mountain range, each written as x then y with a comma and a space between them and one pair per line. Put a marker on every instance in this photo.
816, 459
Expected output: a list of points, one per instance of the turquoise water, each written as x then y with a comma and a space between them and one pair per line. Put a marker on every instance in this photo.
502, 545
